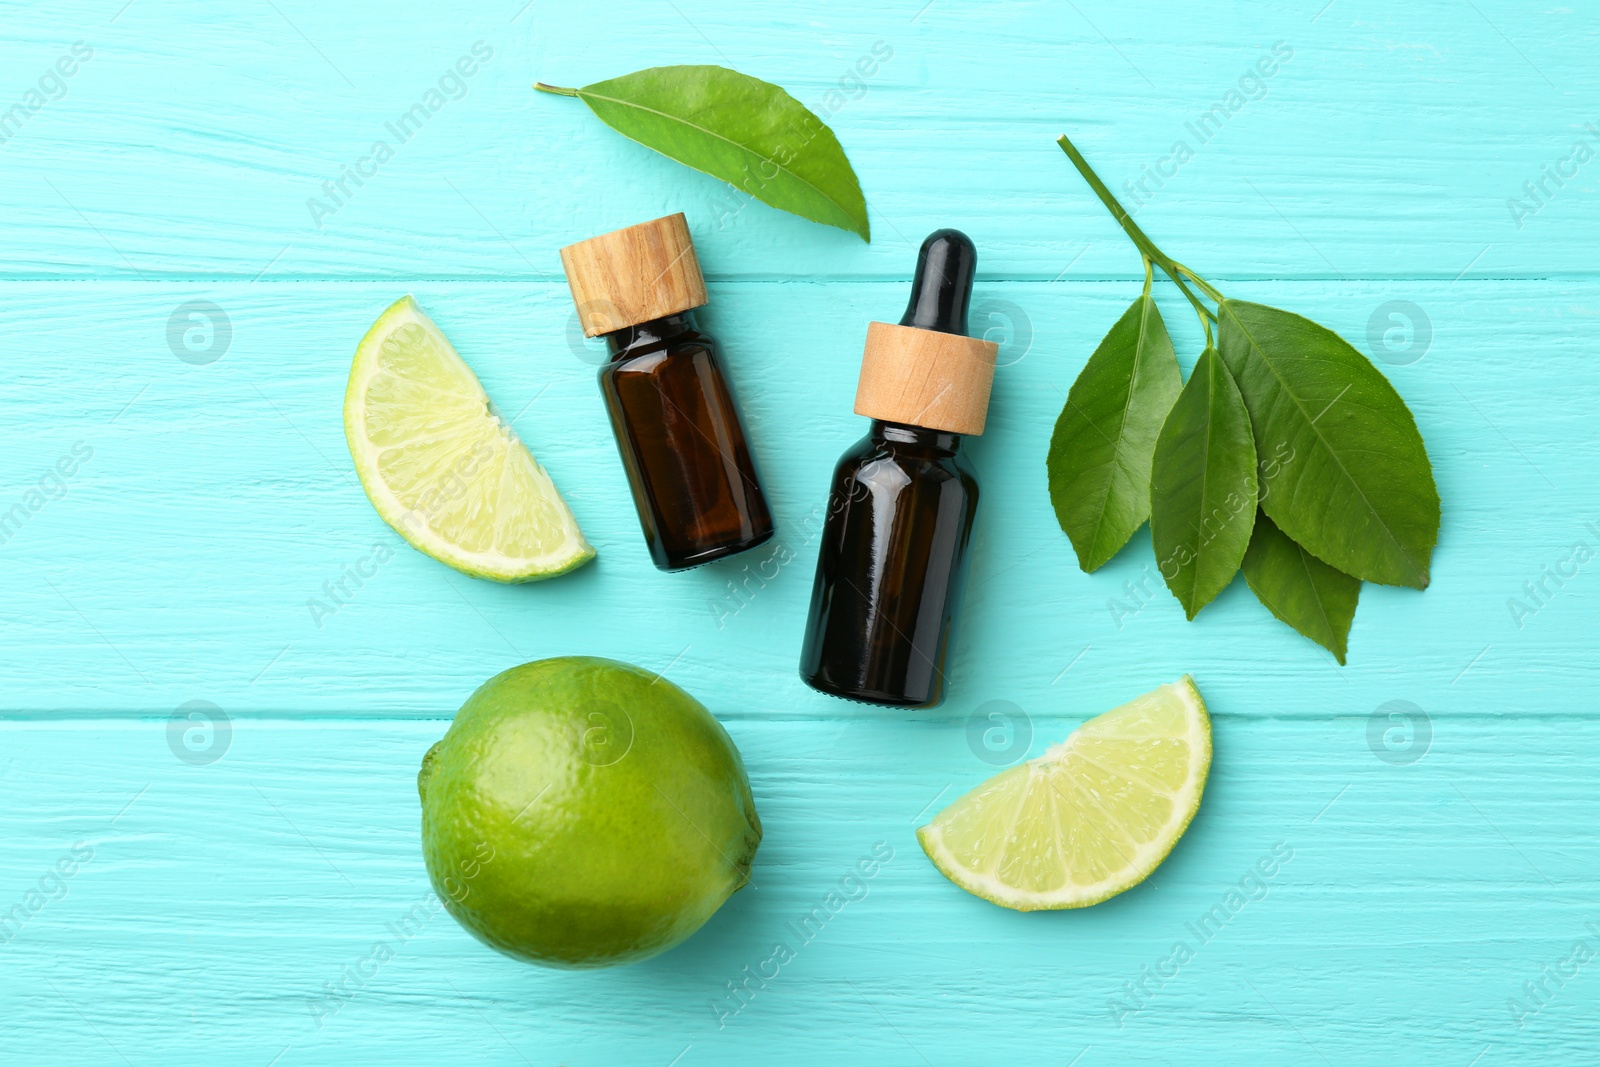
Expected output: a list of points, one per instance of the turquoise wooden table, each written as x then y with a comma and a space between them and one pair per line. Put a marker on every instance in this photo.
179, 322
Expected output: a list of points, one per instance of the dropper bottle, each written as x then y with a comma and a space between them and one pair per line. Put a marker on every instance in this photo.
894, 545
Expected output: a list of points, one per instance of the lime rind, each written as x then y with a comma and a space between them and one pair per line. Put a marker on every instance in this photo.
440, 465
1091, 817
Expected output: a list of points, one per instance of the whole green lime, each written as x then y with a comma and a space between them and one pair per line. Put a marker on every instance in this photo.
581, 812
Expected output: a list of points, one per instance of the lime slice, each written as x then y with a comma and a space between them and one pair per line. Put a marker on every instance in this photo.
440, 464
1091, 817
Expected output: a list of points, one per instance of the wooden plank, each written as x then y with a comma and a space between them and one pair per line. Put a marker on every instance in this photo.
188, 558
1387, 141
221, 901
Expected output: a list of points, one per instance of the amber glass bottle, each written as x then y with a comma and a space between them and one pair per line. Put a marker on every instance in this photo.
894, 545
672, 409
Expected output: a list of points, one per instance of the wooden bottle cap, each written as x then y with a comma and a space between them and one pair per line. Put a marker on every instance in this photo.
939, 381
630, 276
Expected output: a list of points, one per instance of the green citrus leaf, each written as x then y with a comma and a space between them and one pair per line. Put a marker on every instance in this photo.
741, 129
1203, 486
1300, 589
1356, 487
1100, 452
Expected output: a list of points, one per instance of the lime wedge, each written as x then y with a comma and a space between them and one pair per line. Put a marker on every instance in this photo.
440, 464
1091, 817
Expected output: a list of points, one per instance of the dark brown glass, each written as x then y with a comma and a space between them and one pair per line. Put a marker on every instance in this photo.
683, 444
891, 568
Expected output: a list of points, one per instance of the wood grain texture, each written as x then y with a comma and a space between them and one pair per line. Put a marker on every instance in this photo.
179, 319
940, 381
181, 559
1387, 146
220, 900
642, 272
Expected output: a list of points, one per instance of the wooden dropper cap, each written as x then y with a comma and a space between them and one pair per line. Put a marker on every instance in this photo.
630, 276
926, 371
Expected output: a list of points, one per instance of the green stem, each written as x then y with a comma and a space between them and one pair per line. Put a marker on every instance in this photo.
1205, 286
558, 90
1136, 235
